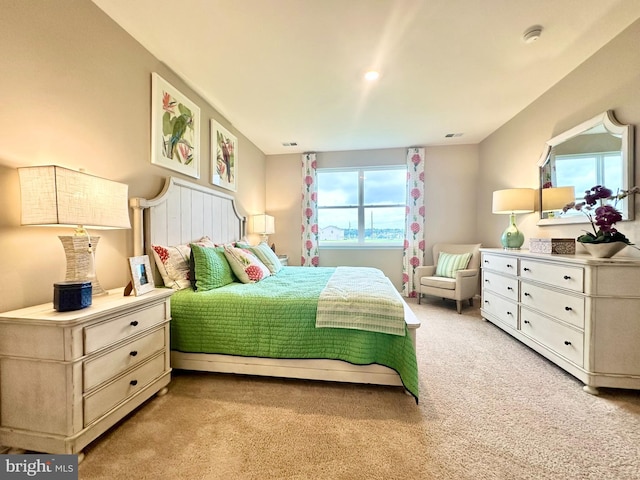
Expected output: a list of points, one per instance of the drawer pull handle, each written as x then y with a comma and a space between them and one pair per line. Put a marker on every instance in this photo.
527, 322
509, 288
567, 342
526, 294
486, 261
134, 323
509, 265
486, 280
526, 269
567, 277
509, 313
133, 353
133, 383
568, 309
486, 301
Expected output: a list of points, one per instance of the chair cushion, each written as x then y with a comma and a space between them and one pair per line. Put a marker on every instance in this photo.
450, 263
439, 282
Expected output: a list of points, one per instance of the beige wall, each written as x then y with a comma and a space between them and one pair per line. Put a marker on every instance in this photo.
450, 191
610, 79
76, 92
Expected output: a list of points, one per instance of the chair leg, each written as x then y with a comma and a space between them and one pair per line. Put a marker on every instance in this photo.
419, 297
459, 306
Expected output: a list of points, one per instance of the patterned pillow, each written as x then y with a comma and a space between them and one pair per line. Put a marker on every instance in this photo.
245, 265
265, 255
210, 268
450, 263
173, 263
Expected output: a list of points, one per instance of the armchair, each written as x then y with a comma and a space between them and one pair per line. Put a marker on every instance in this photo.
463, 285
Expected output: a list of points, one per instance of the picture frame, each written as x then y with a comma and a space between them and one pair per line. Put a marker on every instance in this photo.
224, 157
175, 129
141, 275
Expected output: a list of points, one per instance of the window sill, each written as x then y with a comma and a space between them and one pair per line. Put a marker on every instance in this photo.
360, 247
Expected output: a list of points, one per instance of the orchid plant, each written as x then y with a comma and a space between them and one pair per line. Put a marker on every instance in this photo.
601, 214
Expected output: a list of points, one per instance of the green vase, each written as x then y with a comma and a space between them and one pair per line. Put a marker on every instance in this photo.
512, 238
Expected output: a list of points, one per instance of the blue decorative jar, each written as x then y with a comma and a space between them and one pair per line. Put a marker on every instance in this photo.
68, 296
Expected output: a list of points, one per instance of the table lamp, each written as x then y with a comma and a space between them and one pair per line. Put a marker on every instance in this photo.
264, 225
555, 198
511, 202
56, 196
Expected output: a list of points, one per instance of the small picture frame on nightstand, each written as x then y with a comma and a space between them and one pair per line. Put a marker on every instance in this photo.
141, 275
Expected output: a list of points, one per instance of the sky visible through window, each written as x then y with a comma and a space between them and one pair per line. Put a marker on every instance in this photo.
349, 206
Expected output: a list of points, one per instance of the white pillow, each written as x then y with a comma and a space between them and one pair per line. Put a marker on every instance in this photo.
245, 265
173, 263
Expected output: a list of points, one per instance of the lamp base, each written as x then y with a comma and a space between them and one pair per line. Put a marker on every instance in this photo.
512, 238
80, 261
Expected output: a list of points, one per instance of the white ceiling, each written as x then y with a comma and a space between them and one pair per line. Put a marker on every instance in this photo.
292, 70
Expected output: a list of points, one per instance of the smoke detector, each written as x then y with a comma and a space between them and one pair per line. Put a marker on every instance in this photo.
532, 34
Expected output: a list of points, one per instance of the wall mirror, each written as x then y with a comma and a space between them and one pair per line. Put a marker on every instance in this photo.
596, 152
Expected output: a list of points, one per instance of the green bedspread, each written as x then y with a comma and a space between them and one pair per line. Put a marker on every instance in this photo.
275, 318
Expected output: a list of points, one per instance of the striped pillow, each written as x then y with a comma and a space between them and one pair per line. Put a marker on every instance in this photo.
450, 263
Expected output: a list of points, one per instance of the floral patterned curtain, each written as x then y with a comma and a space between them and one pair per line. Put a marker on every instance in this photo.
413, 255
310, 255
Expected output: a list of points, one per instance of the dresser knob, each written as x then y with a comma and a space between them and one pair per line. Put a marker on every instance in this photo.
509, 265
133, 383
133, 353
509, 313
486, 261
568, 309
527, 294
509, 288
566, 342
567, 277
527, 322
526, 269
486, 301
134, 323
486, 280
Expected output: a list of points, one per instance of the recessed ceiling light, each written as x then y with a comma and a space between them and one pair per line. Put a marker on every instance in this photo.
371, 75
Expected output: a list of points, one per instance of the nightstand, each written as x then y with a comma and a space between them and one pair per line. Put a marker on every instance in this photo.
284, 259
67, 377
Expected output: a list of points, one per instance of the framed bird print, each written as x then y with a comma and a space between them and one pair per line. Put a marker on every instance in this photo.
175, 129
224, 157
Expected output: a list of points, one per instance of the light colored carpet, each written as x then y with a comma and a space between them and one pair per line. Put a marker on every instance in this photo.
490, 408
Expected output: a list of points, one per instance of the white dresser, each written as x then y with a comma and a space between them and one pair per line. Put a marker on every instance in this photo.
66, 377
580, 312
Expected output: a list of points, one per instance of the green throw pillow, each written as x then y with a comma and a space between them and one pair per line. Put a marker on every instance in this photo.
450, 263
211, 268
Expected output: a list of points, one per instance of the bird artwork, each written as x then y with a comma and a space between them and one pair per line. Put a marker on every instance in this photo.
177, 129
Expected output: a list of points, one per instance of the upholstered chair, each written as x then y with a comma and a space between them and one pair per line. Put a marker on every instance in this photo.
451, 276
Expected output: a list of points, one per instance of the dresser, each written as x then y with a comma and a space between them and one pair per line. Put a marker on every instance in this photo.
580, 312
67, 377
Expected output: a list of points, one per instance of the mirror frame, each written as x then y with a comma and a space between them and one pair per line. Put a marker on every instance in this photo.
608, 120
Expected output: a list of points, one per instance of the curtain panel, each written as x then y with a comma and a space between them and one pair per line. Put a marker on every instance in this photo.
413, 255
310, 255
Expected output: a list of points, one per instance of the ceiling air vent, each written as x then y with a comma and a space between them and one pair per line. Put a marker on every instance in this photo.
451, 135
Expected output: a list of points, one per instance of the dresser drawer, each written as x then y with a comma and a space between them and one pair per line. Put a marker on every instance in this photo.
500, 263
106, 333
505, 310
562, 339
104, 399
563, 276
103, 367
505, 286
566, 307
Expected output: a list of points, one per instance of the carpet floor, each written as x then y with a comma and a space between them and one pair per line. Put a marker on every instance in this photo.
490, 408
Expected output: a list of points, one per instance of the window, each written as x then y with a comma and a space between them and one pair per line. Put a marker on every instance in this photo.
361, 206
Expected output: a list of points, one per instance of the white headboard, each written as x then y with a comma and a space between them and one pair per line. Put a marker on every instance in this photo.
184, 212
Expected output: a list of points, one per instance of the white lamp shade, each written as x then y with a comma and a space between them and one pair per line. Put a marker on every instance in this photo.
53, 195
555, 198
263, 224
513, 200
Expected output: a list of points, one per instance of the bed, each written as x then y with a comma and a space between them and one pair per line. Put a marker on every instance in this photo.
185, 211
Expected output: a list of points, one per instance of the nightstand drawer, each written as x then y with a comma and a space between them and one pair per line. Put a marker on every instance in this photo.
119, 328
100, 369
104, 399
